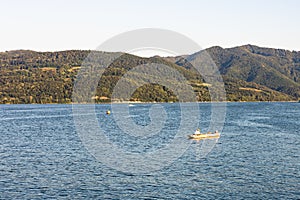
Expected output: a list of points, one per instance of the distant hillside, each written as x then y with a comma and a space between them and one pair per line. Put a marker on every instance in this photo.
250, 73
274, 68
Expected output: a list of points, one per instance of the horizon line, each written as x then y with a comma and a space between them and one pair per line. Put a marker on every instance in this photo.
53, 51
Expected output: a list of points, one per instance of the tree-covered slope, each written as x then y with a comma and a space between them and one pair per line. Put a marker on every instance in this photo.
274, 68
250, 73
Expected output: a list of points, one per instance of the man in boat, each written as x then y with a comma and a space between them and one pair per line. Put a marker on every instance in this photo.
197, 131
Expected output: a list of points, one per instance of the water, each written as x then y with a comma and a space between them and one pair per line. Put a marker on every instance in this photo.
257, 156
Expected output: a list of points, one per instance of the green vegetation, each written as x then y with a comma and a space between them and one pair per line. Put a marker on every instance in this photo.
250, 73
276, 69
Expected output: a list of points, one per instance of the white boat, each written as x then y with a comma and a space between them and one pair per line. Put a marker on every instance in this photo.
207, 135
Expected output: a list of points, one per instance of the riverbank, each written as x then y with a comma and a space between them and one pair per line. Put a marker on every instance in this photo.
140, 102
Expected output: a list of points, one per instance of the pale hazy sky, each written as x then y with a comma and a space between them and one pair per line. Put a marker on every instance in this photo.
51, 25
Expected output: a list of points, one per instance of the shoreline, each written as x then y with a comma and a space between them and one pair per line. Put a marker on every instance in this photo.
139, 102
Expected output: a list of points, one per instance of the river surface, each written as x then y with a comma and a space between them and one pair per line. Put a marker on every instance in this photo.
257, 156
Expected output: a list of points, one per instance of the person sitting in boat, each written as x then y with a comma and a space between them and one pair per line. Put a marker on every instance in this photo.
197, 131
216, 132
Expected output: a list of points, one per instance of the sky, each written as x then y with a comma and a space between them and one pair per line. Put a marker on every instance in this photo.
54, 25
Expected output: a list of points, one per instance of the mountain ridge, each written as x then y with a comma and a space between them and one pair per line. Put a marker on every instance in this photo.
250, 73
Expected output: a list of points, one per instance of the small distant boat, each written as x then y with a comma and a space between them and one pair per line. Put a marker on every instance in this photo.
207, 135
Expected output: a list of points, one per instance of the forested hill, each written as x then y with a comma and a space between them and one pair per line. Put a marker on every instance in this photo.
250, 73
274, 68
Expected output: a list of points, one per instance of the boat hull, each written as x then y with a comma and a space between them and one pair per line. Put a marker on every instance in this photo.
204, 136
